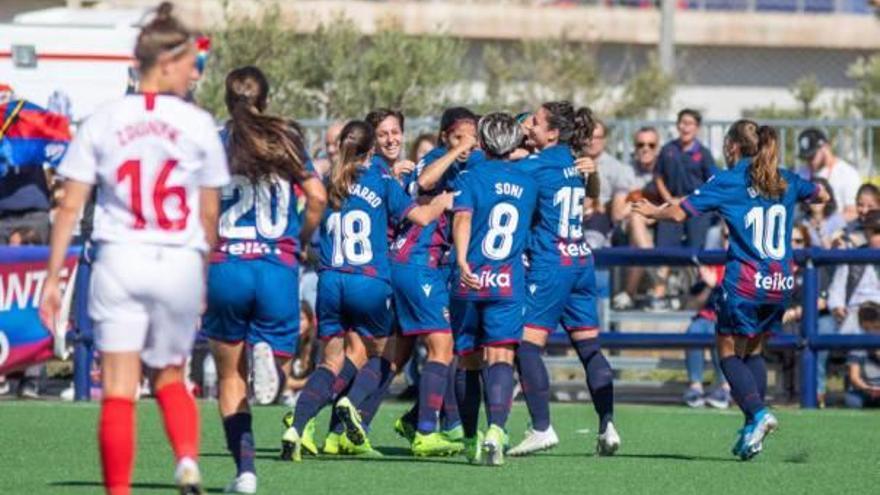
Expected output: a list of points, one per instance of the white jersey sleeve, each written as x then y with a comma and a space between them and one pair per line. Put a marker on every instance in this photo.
80, 162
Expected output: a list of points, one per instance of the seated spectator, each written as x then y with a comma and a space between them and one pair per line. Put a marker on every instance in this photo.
815, 150
638, 229
614, 177
683, 166
855, 285
324, 158
863, 387
867, 200
822, 221
705, 295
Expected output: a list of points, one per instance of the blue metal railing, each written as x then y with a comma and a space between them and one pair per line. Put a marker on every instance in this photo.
807, 343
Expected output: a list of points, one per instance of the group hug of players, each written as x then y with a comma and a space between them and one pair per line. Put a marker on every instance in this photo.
479, 251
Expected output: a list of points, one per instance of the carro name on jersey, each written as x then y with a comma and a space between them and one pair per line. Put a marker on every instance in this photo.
366, 194
774, 282
576, 249
508, 189
146, 128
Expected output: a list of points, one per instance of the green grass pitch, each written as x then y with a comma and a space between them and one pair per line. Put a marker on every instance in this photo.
50, 448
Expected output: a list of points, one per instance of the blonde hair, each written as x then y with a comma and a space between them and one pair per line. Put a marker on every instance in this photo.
761, 143
164, 34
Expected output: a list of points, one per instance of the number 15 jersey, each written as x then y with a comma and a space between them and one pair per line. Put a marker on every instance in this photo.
148, 154
759, 266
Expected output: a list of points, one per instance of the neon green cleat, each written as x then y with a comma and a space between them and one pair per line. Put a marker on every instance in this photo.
351, 418
473, 449
404, 430
493, 446
291, 446
308, 438
455, 435
434, 445
363, 450
332, 444
287, 420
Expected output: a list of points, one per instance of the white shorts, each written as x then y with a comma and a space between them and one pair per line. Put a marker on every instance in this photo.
147, 298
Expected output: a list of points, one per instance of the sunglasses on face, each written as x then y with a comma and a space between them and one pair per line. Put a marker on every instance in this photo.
641, 145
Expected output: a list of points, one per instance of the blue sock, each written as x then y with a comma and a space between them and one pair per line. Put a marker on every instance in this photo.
432, 389
600, 379
316, 394
499, 393
343, 380
535, 384
240, 441
468, 392
449, 417
369, 406
742, 386
758, 368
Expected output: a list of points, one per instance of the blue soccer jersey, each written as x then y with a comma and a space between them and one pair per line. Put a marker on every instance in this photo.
759, 266
259, 220
557, 236
354, 238
501, 197
429, 245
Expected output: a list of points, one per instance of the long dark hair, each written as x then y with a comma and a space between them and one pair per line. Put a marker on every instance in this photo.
355, 144
260, 145
761, 143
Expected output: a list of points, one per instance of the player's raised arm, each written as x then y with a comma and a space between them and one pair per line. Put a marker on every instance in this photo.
465, 141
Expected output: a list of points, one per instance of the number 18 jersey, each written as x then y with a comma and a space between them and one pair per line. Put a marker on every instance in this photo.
354, 238
759, 266
501, 197
148, 154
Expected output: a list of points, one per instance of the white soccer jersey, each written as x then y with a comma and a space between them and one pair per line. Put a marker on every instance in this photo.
148, 155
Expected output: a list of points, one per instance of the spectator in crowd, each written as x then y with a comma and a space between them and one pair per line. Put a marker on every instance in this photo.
867, 200
863, 387
646, 143
815, 150
328, 155
683, 166
614, 177
822, 221
855, 285
423, 144
801, 239
704, 295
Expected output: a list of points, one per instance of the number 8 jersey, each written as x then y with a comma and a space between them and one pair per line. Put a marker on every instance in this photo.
354, 238
150, 154
759, 266
501, 197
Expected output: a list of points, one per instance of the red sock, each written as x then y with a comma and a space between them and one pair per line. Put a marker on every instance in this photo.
116, 431
181, 416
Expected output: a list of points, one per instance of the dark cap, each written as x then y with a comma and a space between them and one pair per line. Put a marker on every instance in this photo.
809, 142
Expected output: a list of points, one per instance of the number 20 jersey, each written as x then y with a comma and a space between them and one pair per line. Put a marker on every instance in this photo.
501, 197
148, 155
759, 266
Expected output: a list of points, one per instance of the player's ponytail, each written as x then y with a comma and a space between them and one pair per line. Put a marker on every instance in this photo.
355, 145
583, 125
761, 144
163, 36
260, 145
560, 116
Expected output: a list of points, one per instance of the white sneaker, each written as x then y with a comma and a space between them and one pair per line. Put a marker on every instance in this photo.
244, 483
67, 394
622, 301
607, 443
535, 441
265, 374
188, 477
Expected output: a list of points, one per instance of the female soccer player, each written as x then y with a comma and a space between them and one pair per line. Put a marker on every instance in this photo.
494, 203
388, 128
354, 293
158, 164
757, 201
253, 282
561, 280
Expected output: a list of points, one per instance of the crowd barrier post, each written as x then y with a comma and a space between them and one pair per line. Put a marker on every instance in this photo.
809, 322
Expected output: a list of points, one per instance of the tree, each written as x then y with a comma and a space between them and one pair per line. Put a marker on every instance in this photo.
866, 97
